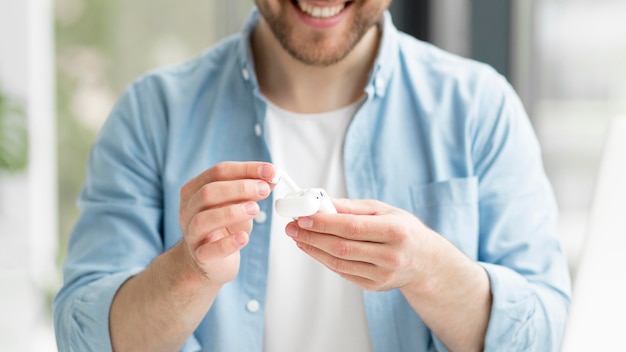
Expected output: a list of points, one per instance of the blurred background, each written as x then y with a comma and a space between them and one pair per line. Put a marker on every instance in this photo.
63, 63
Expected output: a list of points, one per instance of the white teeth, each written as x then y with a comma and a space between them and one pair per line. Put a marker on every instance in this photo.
321, 12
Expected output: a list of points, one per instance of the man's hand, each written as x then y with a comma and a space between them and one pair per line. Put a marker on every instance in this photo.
380, 247
370, 243
216, 212
159, 308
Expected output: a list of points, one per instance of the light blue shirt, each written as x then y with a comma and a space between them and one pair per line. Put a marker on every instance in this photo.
440, 136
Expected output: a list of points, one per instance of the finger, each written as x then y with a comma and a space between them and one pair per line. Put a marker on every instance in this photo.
338, 265
354, 227
229, 170
366, 284
208, 221
245, 226
214, 236
227, 192
339, 247
360, 206
217, 250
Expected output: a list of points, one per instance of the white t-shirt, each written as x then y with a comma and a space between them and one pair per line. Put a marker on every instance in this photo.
309, 307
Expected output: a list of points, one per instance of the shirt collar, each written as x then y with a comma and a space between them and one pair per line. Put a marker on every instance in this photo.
381, 72
385, 59
244, 51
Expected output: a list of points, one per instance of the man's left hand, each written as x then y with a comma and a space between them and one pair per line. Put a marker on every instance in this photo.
374, 245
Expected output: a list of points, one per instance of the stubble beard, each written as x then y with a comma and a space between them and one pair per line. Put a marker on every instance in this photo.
313, 51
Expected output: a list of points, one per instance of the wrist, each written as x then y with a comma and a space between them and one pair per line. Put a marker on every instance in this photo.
189, 274
446, 269
441, 264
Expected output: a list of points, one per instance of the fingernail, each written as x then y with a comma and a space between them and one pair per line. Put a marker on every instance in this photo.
263, 188
265, 171
252, 208
292, 230
305, 223
241, 238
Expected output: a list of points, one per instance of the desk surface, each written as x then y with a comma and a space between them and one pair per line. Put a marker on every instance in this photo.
598, 311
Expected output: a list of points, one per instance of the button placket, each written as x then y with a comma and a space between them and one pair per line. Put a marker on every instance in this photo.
245, 73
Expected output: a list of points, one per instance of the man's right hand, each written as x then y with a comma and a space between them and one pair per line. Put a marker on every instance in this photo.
217, 209
159, 308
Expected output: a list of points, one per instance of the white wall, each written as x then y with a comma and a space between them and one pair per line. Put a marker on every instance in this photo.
28, 225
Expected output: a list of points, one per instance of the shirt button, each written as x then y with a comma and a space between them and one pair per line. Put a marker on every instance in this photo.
245, 74
380, 85
261, 218
257, 130
253, 306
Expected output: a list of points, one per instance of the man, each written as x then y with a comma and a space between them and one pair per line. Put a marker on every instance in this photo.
445, 233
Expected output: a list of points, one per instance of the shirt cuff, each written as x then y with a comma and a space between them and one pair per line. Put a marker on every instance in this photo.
90, 312
90, 315
86, 323
513, 306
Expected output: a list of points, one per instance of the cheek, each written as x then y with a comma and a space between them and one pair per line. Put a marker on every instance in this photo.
272, 8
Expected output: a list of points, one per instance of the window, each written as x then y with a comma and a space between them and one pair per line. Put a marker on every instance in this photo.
102, 46
578, 88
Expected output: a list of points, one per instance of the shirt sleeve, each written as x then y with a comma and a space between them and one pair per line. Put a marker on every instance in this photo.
519, 246
119, 231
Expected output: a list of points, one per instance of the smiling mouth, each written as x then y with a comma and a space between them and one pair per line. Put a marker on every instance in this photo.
321, 12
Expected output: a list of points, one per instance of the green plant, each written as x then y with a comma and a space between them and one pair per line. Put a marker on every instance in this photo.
13, 136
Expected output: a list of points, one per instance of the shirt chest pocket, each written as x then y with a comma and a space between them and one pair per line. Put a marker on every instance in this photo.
451, 209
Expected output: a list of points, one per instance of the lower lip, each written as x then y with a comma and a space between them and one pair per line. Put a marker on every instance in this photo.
321, 23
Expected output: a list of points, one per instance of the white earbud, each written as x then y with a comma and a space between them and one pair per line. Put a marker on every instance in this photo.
282, 175
301, 202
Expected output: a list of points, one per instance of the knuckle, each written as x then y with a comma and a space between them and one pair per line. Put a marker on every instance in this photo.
185, 190
219, 170
393, 260
214, 236
247, 189
354, 229
343, 249
206, 193
338, 265
231, 212
305, 237
321, 226
374, 204
239, 212
371, 202
397, 231
195, 224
